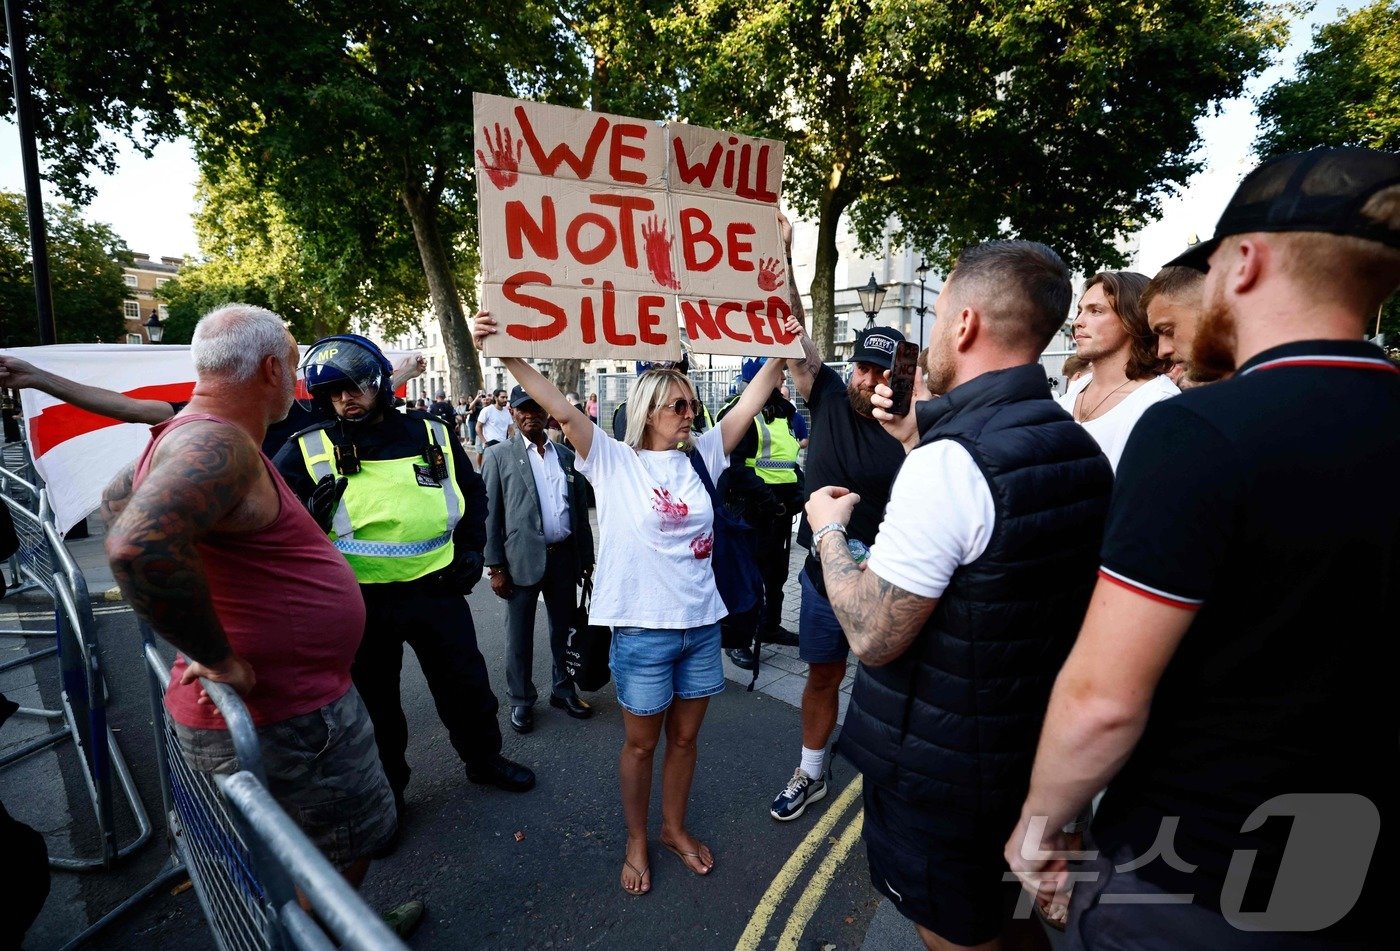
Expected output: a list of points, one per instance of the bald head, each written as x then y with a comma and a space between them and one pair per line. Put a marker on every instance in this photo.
231, 342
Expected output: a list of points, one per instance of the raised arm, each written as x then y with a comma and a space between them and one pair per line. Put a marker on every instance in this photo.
415, 364
738, 420
577, 426
16, 373
806, 367
201, 473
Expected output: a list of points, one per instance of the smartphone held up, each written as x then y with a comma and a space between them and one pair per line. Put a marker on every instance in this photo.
906, 364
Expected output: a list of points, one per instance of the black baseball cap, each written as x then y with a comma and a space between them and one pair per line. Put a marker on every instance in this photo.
876, 346
1322, 190
518, 397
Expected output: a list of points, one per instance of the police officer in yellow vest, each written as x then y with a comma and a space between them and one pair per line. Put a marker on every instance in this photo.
399, 499
770, 450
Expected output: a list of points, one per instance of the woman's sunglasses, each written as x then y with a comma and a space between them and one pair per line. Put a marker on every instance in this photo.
680, 406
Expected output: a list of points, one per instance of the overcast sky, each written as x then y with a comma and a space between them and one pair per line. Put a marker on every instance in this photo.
149, 201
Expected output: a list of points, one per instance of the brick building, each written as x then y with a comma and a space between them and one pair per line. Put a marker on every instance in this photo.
142, 278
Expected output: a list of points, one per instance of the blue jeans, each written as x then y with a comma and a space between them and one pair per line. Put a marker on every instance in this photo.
652, 666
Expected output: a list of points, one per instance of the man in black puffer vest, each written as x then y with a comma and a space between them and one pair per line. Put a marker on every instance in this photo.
977, 583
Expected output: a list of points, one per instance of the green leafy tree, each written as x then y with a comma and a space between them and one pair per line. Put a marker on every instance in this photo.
355, 115
1346, 91
85, 276
251, 252
1061, 120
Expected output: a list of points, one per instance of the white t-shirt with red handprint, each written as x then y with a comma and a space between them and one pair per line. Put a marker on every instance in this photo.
655, 534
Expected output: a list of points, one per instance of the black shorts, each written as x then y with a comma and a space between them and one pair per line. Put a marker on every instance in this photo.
943, 871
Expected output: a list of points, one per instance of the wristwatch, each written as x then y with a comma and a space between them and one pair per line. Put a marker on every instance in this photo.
822, 532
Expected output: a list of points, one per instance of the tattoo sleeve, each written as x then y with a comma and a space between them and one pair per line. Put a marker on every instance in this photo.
811, 362
201, 471
116, 495
880, 619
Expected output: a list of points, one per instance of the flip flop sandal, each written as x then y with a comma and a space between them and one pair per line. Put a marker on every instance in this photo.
641, 875
685, 858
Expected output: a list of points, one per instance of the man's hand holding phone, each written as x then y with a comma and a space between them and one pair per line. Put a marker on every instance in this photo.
893, 399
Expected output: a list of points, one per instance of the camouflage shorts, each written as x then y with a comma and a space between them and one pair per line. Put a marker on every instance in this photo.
322, 767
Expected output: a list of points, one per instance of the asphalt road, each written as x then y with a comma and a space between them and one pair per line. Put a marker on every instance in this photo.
538, 870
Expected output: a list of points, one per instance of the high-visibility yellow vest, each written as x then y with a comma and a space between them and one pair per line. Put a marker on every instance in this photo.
389, 525
776, 458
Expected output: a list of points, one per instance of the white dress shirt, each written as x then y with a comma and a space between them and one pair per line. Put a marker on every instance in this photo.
553, 490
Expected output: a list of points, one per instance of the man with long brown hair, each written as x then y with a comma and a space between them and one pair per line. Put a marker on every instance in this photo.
1112, 335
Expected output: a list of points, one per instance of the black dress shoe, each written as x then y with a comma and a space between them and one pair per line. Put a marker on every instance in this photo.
573, 706
503, 774
741, 657
780, 635
522, 719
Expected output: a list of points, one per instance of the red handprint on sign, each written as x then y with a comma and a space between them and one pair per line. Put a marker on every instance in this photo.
770, 274
502, 168
658, 246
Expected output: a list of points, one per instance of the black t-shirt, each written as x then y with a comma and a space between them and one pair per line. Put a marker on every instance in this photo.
396, 436
1265, 504
848, 450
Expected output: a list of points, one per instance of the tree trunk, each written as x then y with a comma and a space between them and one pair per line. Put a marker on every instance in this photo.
832, 205
464, 369
566, 375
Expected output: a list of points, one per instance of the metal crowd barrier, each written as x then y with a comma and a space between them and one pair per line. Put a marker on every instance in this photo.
244, 855
44, 562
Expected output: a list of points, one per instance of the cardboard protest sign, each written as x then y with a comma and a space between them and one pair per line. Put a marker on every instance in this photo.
604, 235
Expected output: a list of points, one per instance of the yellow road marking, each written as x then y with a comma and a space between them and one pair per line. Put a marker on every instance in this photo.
787, 875
806, 905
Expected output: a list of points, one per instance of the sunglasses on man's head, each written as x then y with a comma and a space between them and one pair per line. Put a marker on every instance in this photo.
680, 406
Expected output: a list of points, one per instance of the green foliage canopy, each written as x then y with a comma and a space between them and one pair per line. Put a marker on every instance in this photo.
1056, 120
85, 276
1346, 90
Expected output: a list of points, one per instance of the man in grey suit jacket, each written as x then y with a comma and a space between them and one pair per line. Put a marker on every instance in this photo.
538, 539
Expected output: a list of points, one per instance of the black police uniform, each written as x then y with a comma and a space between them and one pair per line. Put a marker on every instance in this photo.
430, 614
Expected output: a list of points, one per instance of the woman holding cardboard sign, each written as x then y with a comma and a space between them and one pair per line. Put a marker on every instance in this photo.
654, 583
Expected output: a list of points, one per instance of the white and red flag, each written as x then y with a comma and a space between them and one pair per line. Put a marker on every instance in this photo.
78, 453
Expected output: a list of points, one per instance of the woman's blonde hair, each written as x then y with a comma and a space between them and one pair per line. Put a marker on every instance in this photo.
648, 394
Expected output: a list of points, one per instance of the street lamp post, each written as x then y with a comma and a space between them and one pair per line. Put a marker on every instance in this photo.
154, 330
922, 270
872, 298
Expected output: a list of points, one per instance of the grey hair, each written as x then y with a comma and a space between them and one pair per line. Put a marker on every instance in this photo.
231, 341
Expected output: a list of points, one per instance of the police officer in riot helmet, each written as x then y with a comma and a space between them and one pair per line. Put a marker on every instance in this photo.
399, 499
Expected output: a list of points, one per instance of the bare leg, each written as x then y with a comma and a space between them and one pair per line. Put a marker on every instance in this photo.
819, 703
634, 772
683, 721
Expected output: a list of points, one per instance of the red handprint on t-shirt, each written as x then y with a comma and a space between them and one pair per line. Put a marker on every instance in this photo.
673, 511
703, 545
503, 166
770, 274
658, 246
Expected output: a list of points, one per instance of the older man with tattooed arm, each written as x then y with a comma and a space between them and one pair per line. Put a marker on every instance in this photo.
214, 551
977, 581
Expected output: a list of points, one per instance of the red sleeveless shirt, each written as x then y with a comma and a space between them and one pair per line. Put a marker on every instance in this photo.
288, 602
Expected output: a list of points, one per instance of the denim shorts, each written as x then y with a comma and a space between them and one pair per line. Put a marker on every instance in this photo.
651, 666
322, 768
820, 639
